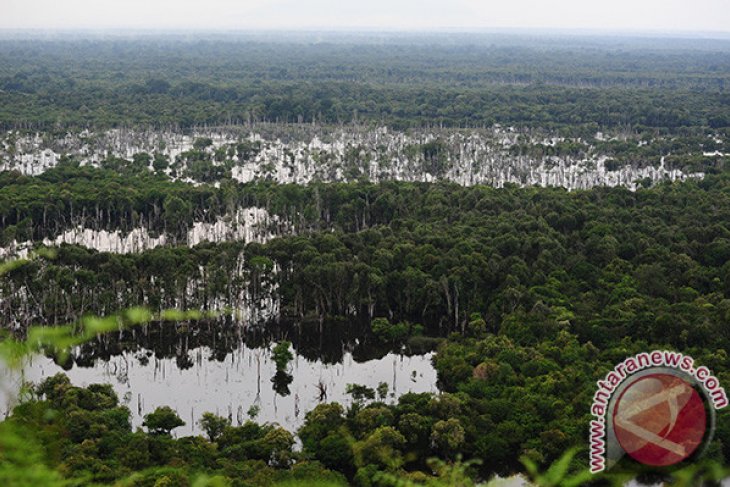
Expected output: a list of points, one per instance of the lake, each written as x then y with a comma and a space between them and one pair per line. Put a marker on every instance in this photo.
200, 369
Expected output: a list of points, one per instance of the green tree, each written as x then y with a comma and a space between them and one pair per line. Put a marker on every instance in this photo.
282, 355
382, 448
448, 437
162, 421
213, 425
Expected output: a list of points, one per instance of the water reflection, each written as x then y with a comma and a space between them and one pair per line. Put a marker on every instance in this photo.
209, 367
327, 343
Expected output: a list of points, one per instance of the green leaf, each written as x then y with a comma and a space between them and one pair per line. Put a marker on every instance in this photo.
138, 316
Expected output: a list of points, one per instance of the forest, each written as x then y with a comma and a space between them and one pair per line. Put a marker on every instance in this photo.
526, 295
538, 292
575, 84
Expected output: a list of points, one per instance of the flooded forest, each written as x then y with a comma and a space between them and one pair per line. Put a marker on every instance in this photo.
334, 259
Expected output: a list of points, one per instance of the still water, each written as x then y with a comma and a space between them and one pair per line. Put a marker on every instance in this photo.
229, 374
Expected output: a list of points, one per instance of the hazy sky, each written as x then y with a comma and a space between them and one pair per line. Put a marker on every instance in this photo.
662, 15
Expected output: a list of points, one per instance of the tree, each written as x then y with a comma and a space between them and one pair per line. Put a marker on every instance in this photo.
360, 392
160, 162
382, 390
202, 142
319, 423
281, 355
177, 212
335, 452
213, 425
389, 332
381, 447
447, 437
281, 381
162, 421
277, 443
140, 162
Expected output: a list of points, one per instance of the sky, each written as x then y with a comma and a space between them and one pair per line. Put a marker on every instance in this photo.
422, 15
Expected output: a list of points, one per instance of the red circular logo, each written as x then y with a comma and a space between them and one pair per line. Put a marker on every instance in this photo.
659, 420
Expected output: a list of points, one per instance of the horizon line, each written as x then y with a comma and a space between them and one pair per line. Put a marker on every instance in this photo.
587, 31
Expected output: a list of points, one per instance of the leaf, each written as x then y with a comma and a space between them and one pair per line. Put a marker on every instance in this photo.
138, 316
530, 466
10, 266
172, 315
94, 325
559, 469
12, 352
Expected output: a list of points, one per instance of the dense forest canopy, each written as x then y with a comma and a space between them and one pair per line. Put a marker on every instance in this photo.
398, 80
428, 253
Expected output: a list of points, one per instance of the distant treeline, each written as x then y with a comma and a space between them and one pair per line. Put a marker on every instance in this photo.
164, 82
